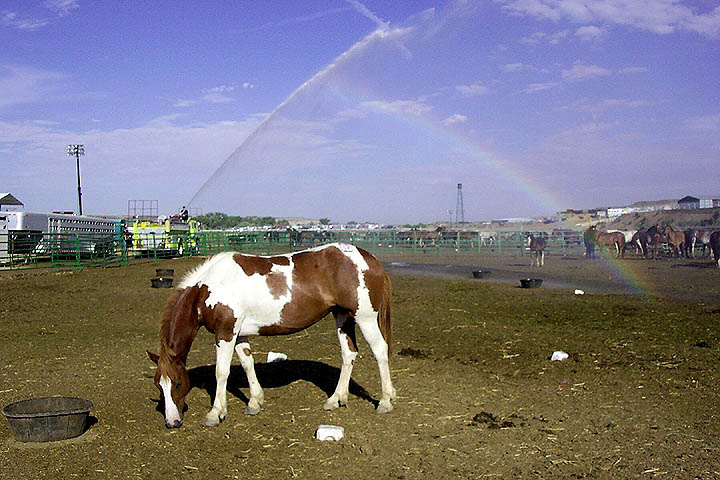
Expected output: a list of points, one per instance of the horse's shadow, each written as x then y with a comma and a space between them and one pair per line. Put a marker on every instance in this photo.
274, 375
695, 265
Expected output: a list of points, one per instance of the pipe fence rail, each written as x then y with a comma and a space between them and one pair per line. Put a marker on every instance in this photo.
20, 250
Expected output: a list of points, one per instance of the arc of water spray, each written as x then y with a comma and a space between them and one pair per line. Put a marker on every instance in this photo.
382, 32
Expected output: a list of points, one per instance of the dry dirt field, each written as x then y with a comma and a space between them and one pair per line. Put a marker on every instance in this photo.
478, 397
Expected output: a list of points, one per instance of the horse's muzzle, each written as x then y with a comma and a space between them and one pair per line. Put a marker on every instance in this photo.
175, 424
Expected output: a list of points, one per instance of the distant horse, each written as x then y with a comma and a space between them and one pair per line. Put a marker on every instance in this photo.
237, 296
715, 246
676, 240
644, 239
608, 239
589, 241
537, 250
693, 238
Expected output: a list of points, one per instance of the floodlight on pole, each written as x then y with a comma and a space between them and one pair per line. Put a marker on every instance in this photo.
76, 151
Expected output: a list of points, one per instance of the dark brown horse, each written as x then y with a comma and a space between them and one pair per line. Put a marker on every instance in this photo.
715, 247
537, 250
237, 296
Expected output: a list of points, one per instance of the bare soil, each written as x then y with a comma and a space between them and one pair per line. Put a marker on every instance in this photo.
478, 397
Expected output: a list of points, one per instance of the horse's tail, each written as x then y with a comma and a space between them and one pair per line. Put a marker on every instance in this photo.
384, 321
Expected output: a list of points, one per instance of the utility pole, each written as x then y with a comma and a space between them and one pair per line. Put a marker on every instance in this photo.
76, 151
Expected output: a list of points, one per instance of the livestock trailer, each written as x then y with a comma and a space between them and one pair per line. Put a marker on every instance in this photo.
31, 235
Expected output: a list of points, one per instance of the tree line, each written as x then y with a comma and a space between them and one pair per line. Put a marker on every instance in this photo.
218, 220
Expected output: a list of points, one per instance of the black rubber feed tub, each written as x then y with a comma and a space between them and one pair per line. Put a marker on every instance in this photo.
164, 272
480, 273
48, 419
161, 282
530, 282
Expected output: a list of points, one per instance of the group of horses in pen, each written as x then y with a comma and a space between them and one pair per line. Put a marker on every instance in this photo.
650, 243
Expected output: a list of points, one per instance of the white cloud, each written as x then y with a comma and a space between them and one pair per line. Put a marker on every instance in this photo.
248, 85
14, 20
589, 32
518, 67
454, 118
610, 104
62, 7
657, 16
412, 107
580, 71
473, 90
538, 87
30, 23
21, 84
705, 123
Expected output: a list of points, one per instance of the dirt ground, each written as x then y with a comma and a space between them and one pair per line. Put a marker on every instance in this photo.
478, 396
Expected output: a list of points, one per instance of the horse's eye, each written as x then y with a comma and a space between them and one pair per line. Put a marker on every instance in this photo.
178, 385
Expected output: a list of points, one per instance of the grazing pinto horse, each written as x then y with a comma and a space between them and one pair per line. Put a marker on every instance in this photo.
237, 296
715, 246
537, 250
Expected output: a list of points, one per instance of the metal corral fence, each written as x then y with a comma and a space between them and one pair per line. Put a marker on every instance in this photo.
77, 251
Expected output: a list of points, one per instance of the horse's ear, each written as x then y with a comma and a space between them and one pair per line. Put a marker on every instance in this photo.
153, 356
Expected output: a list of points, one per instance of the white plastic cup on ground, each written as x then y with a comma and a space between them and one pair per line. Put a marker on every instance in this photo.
559, 356
579, 292
331, 433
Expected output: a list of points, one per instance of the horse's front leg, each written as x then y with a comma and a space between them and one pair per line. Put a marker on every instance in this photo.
223, 354
542, 258
257, 397
348, 349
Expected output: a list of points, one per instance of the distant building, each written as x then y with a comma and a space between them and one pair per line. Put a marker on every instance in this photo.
702, 201
617, 211
9, 199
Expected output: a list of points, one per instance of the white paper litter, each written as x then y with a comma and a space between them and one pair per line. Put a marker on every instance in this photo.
276, 357
579, 292
559, 355
329, 433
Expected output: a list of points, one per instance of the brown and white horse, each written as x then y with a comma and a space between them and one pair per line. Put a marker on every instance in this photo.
237, 296
537, 250
607, 239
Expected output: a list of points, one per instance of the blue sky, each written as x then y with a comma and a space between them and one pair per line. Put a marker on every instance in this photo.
365, 111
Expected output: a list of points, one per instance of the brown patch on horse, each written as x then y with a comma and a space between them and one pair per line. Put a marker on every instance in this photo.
260, 265
322, 280
220, 319
247, 351
277, 284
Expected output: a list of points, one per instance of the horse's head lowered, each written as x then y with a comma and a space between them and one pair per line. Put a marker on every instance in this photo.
173, 381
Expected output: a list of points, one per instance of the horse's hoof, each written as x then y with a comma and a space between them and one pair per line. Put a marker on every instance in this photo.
384, 407
330, 404
212, 420
251, 411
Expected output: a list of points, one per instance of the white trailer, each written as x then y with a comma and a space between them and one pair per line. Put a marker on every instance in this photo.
32, 233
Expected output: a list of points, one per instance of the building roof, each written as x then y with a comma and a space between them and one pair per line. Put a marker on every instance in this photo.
9, 199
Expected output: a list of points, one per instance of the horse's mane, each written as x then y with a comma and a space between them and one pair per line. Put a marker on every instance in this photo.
180, 305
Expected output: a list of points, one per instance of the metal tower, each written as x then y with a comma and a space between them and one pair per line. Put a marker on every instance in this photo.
459, 208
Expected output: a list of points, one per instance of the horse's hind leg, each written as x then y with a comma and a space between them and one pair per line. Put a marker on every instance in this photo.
371, 331
542, 258
223, 352
348, 348
257, 397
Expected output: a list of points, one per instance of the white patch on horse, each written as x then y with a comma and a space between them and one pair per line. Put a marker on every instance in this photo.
172, 415
248, 296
